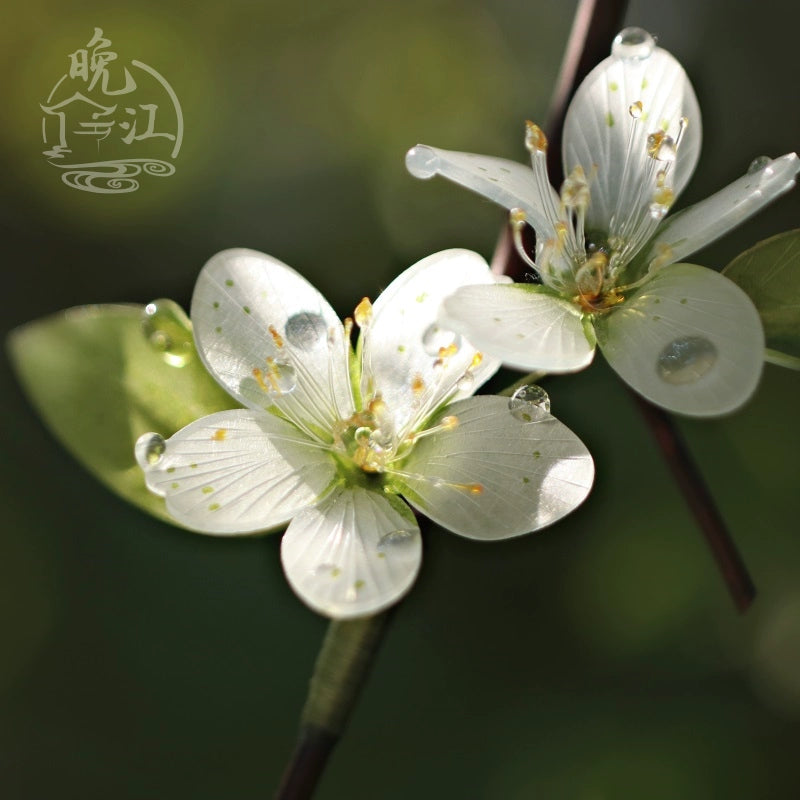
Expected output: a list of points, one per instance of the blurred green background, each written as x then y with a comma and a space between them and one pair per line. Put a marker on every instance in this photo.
598, 659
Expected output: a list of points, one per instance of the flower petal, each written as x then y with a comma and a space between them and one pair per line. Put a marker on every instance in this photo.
702, 223
689, 340
402, 344
600, 131
354, 554
525, 326
237, 471
270, 338
528, 474
508, 183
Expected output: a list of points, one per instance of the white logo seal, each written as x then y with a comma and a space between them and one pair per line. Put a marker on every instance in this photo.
98, 134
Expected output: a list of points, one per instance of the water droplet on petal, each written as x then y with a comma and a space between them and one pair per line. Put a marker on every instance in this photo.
466, 382
633, 44
149, 450
422, 161
168, 330
686, 360
305, 329
435, 338
757, 164
529, 403
282, 378
395, 541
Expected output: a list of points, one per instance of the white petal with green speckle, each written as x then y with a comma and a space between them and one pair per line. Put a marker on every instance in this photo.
403, 341
689, 340
239, 471
498, 474
524, 326
270, 338
354, 554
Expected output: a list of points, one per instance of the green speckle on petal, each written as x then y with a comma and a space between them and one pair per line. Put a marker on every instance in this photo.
335, 572
218, 329
526, 479
422, 297
613, 86
610, 119
170, 469
174, 485
665, 125
657, 300
381, 555
229, 282
192, 466
684, 301
644, 83
537, 454
656, 318
358, 585
246, 309
213, 507
401, 348
216, 304
207, 490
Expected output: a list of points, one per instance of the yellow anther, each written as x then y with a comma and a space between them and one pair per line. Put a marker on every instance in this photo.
363, 313
219, 435
259, 376
417, 384
449, 423
276, 337
635, 109
476, 360
449, 351
575, 189
376, 406
535, 140
517, 219
348, 327
664, 196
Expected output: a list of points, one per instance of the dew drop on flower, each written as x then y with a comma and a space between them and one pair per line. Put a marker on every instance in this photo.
465, 382
167, 329
282, 378
633, 43
149, 449
422, 161
305, 329
395, 541
757, 164
529, 403
435, 338
686, 360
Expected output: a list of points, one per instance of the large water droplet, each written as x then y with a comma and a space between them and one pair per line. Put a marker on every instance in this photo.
633, 44
149, 449
168, 330
435, 338
529, 403
686, 360
305, 329
396, 541
422, 161
757, 164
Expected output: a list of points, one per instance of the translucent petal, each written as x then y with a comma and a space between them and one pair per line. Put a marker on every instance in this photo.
403, 342
702, 223
524, 326
529, 471
598, 127
354, 554
269, 337
239, 471
508, 183
689, 340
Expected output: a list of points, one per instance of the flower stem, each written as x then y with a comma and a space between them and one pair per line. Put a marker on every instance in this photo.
343, 663
594, 27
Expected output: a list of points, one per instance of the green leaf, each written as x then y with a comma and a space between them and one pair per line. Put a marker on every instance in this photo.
99, 383
770, 274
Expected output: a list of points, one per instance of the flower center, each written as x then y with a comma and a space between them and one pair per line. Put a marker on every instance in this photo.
591, 271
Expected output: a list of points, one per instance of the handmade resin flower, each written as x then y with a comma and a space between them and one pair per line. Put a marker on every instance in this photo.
331, 436
682, 335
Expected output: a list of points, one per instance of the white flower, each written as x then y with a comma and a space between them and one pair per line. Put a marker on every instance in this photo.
329, 437
684, 337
